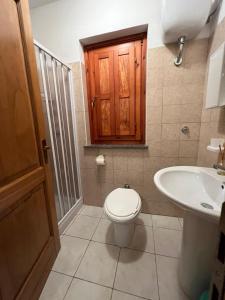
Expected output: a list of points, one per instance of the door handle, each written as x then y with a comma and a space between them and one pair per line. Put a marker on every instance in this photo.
93, 102
45, 149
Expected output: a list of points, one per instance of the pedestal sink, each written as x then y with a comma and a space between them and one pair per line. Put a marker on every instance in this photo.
200, 192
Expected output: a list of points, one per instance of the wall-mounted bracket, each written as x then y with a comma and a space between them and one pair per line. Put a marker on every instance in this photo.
178, 60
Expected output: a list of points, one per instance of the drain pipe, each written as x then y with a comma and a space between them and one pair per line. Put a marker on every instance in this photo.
178, 60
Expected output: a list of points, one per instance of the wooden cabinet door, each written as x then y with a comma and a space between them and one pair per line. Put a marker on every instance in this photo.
116, 92
125, 78
102, 96
29, 239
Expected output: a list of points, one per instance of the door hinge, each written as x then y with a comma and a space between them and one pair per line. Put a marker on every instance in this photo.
135, 127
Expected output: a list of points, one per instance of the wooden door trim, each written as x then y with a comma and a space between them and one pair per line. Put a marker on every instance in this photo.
121, 40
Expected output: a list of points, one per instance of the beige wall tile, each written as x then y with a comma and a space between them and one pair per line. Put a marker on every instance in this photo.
188, 149
153, 133
154, 115
154, 97
170, 149
120, 159
191, 112
170, 132
171, 114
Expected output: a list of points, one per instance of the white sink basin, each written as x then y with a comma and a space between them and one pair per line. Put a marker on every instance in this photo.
200, 192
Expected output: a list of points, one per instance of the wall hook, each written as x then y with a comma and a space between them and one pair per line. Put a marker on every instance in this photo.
178, 60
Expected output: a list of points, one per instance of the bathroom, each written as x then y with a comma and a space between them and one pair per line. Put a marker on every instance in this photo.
111, 186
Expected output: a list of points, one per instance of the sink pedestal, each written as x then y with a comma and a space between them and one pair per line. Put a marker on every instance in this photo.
198, 254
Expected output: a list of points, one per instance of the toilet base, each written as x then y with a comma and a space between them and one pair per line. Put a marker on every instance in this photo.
123, 233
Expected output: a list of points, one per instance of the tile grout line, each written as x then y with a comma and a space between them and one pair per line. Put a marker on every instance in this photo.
120, 249
127, 293
156, 265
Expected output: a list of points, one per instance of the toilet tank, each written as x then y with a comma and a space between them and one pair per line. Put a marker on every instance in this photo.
183, 18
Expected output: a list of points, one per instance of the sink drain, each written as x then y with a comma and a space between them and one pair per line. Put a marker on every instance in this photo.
206, 205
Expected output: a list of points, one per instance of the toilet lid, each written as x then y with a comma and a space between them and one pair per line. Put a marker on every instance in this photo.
123, 202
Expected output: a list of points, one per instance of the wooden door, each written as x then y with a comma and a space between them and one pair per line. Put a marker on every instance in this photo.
116, 90
29, 239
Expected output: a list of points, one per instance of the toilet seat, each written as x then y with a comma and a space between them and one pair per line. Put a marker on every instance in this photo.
122, 205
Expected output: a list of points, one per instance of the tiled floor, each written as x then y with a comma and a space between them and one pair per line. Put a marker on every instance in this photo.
91, 267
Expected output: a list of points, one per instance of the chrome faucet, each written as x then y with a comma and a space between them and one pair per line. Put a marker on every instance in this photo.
219, 166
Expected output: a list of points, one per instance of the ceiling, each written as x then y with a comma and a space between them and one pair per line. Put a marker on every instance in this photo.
36, 3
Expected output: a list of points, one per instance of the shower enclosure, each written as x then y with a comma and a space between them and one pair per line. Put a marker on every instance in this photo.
55, 79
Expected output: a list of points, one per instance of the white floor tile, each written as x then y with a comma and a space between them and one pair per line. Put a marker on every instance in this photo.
136, 274
91, 211
69, 257
55, 287
104, 232
83, 227
144, 219
166, 222
143, 239
123, 296
83, 290
168, 242
168, 279
99, 264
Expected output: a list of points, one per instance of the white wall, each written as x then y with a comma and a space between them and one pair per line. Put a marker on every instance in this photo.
59, 25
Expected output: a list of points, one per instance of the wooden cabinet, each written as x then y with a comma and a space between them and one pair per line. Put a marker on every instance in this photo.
116, 90
29, 238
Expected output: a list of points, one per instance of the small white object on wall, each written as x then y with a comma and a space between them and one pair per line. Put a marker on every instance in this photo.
100, 160
215, 95
214, 145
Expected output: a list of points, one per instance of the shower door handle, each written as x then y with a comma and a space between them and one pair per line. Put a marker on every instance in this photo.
45, 149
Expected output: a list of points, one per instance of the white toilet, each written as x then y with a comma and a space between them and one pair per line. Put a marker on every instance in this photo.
122, 206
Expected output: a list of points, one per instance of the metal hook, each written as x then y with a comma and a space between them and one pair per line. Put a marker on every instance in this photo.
178, 60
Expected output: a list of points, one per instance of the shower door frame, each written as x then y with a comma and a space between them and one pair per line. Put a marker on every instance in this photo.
67, 218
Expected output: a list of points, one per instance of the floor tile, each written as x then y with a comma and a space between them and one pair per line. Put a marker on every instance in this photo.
143, 239
117, 295
69, 257
168, 279
104, 232
55, 287
136, 274
91, 211
168, 242
84, 290
99, 264
83, 227
144, 219
166, 222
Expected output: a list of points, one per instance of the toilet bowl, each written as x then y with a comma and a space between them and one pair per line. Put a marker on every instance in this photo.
122, 206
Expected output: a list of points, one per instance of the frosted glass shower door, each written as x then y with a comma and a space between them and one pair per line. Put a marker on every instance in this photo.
55, 83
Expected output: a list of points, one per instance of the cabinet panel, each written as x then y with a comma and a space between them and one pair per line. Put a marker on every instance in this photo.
103, 93
18, 151
20, 237
124, 62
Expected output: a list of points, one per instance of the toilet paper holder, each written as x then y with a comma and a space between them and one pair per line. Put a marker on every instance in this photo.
100, 160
